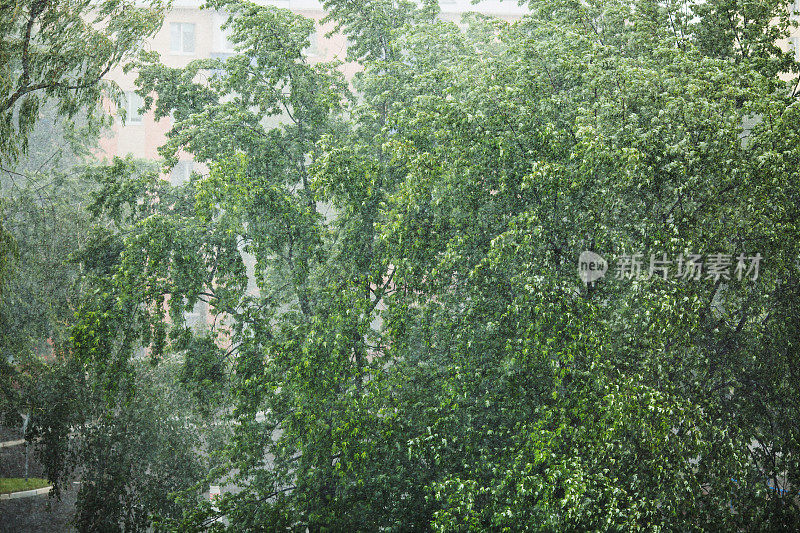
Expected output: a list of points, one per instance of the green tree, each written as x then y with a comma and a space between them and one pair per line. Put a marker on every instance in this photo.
43, 58
46, 220
606, 131
127, 431
45, 67
45, 71
418, 351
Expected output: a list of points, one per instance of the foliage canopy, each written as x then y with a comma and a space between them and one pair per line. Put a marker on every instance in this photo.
400, 339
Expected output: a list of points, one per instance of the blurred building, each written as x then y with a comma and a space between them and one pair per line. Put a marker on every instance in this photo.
190, 32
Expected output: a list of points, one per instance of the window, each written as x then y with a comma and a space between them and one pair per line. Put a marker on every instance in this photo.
196, 320
181, 172
133, 103
181, 37
140, 352
312, 49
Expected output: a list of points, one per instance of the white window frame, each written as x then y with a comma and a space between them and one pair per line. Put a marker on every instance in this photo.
181, 172
312, 50
133, 102
196, 319
179, 47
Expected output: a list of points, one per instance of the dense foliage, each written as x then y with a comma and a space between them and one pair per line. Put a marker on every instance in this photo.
57, 52
399, 337
53, 57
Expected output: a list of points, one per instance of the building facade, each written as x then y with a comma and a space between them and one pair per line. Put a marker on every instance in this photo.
190, 32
